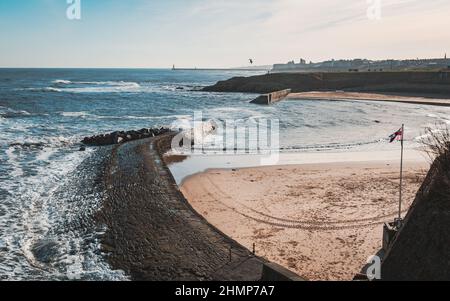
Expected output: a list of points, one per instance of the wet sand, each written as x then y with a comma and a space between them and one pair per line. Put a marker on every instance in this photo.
320, 220
340, 95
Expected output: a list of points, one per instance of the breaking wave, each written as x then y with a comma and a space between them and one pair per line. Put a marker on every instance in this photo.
87, 115
66, 86
62, 82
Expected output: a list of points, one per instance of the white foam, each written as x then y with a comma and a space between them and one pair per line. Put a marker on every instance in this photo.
12, 160
8, 112
90, 87
2, 244
89, 115
45, 154
62, 81
109, 83
74, 114
38, 209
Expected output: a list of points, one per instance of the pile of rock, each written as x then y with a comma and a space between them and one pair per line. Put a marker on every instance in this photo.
121, 137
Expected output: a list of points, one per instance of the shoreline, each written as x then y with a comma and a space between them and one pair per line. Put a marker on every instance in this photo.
184, 167
358, 96
346, 205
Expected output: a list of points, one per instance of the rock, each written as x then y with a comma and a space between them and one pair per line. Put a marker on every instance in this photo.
121, 137
107, 248
82, 149
28, 145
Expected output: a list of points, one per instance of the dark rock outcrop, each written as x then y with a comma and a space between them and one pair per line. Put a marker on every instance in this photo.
416, 83
121, 137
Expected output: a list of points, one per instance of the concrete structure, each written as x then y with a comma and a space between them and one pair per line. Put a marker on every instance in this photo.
270, 98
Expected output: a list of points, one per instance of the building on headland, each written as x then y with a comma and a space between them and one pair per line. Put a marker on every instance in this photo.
364, 65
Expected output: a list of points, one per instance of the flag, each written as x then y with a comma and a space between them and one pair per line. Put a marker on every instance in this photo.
396, 136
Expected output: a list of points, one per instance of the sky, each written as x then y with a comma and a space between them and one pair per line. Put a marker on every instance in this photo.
218, 33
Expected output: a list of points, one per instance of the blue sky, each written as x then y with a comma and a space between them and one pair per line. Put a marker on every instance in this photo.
216, 33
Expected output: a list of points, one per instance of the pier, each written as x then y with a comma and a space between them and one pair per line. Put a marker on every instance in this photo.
153, 233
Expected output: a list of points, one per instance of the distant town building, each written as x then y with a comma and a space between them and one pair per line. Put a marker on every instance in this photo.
363, 65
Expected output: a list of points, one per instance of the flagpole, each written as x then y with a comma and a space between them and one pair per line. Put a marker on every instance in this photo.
401, 175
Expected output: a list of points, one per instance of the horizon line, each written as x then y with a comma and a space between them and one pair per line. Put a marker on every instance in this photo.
224, 68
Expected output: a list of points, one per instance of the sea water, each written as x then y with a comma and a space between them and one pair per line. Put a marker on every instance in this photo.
46, 225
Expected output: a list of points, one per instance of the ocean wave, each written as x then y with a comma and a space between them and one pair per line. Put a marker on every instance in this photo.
155, 117
66, 86
48, 223
75, 114
331, 146
95, 83
33, 143
62, 82
44, 89
14, 162
11, 113
181, 87
110, 83
132, 88
84, 114
286, 149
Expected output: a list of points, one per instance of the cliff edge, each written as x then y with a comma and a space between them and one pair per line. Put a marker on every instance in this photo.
413, 83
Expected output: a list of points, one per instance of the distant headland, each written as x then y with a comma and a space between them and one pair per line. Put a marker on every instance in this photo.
408, 83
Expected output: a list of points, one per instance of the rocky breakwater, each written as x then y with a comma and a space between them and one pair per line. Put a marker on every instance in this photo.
123, 136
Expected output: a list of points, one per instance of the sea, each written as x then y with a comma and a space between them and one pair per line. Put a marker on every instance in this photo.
47, 230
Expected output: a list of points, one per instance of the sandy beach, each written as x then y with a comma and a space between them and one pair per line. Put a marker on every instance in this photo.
322, 221
341, 95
